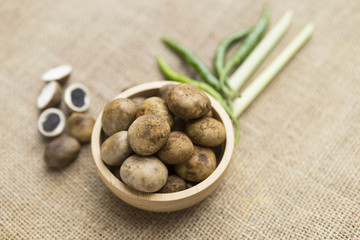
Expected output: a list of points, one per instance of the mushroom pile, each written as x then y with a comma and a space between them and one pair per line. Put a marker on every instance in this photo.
63, 148
163, 143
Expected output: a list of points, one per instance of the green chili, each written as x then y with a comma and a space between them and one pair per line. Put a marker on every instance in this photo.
175, 76
223, 47
249, 44
194, 61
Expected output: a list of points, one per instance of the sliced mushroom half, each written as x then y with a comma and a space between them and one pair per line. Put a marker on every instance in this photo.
51, 122
50, 96
77, 98
60, 74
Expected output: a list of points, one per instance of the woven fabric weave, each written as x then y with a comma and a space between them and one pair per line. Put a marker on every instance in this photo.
294, 175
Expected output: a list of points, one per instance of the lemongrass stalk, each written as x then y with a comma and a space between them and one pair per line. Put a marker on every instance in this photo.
242, 74
256, 87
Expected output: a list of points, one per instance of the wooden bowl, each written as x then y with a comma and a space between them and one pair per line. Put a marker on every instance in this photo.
164, 202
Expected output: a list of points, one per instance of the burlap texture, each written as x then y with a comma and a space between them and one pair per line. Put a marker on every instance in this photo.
294, 175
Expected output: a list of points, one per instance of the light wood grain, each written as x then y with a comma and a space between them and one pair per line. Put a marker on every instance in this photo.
164, 202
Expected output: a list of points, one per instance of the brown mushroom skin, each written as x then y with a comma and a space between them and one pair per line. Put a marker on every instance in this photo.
187, 101
207, 132
55, 99
177, 149
138, 101
61, 151
148, 134
146, 174
174, 183
118, 115
199, 166
80, 126
156, 106
164, 90
115, 149
209, 114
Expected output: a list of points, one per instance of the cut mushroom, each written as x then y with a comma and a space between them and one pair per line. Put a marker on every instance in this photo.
50, 96
51, 122
60, 74
77, 98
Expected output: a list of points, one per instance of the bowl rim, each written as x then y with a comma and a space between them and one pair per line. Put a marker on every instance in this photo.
109, 178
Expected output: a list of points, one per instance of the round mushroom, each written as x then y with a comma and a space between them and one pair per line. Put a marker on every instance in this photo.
59, 74
147, 134
177, 149
187, 101
199, 166
207, 132
156, 106
174, 183
77, 98
146, 174
80, 126
118, 115
51, 122
61, 151
115, 149
50, 96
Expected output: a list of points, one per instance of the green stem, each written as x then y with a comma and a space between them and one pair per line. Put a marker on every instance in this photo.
243, 73
172, 75
249, 44
223, 47
175, 76
194, 61
256, 87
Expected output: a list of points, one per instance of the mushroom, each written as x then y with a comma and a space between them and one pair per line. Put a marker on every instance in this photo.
174, 183
77, 98
148, 134
177, 149
59, 74
187, 101
156, 106
115, 149
144, 173
118, 115
61, 151
199, 166
51, 122
207, 132
50, 96
80, 126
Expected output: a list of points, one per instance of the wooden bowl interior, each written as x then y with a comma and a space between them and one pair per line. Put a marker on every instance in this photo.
162, 202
